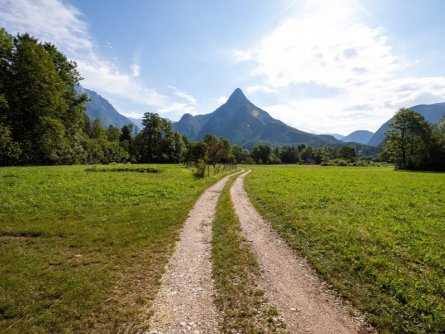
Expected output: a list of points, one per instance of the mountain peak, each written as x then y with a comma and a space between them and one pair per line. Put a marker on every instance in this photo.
237, 97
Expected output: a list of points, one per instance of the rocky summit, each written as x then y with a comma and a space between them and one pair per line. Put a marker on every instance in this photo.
241, 122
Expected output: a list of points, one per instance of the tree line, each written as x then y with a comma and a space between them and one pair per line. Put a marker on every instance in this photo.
44, 122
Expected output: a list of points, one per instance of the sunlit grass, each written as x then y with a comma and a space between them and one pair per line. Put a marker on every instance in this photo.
377, 235
83, 251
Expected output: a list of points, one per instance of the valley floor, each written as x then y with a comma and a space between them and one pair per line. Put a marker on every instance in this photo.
107, 251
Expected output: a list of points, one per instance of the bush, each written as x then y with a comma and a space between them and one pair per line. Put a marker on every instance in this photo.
335, 162
362, 163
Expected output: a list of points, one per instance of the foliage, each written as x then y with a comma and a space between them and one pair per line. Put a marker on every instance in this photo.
124, 170
437, 151
44, 115
240, 154
335, 162
357, 163
9, 150
262, 153
289, 155
218, 150
307, 153
71, 241
43, 120
265, 154
196, 152
375, 234
157, 142
104, 146
408, 141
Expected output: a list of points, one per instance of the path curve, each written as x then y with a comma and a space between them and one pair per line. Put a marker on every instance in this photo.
185, 300
289, 283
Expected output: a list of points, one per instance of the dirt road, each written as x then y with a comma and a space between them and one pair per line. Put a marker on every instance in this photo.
290, 284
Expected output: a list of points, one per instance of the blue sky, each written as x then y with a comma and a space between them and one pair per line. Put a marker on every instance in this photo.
329, 66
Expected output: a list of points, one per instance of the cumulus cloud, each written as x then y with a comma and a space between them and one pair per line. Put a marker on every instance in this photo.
364, 108
329, 46
324, 47
49, 20
222, 100
66, 27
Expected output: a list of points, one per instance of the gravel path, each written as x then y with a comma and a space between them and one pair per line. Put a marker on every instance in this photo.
185, 300
289, 282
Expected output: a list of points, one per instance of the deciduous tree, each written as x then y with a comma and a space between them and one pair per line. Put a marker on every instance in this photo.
408, 141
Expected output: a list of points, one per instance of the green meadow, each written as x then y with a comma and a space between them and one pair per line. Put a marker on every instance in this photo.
376, 235
82, 249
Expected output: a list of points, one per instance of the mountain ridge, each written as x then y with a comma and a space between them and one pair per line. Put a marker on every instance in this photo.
358, 136
241, 122
101, 108
432, 113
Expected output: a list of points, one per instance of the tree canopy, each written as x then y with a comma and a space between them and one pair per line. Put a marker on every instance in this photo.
40, 110
413, 143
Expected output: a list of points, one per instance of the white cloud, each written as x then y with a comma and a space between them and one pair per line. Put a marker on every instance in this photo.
176, 109
261, 89
329, 46
184, 95
135, 70
359, 109
221, 100
104, 77
50, 20
65, 26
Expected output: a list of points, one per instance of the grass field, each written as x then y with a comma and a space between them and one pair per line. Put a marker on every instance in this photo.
377, 235
83, 251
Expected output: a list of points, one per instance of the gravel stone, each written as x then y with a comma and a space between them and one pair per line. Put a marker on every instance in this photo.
186, 293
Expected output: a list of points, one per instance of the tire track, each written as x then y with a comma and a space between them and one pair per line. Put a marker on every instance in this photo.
289, 282
185, 300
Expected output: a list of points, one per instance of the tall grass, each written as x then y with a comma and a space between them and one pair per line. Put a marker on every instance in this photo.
84, 251
377, 235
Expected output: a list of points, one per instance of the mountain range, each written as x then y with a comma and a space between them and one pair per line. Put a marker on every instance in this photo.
358, 136
241, 122
335, 135
101, 108
433, 113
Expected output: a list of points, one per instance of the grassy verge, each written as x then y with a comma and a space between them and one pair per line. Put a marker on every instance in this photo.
377, 235
235, 270
83, 251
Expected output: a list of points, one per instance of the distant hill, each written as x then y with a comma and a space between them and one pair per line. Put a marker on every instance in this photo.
335, 135
137, 122
358, 136
241, 122
99, 107
433, 113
